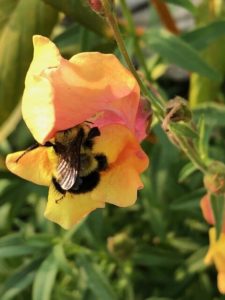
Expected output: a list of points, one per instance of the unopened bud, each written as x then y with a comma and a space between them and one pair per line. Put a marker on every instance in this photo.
120, 245
214, 180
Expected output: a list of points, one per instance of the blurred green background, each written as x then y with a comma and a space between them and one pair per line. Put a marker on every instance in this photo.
155, 249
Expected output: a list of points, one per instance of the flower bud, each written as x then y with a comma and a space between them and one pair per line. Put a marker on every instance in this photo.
214, 180
120, 245
96, 5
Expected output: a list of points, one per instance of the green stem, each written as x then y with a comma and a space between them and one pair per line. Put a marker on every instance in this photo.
156, 106
190, 152
132, 30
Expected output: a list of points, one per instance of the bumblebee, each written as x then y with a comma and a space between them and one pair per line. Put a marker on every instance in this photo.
78, 168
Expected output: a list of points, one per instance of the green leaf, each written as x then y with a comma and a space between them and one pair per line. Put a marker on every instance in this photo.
214, 114
18, 281
45, 279
68, 41
202, 37
62, 261
158, 298
156, 257
6, 8
189, 201
177, 51
80, 11
28, 18
183, 3
11, 239
16, 250
97, 282
204, 135
218, 207
186, 171
76, 39
195, 262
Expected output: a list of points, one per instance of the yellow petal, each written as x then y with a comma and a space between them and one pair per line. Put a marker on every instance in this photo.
36, 165
119, 185
114, 140
120, 182
46, 56
71, 208
221, 282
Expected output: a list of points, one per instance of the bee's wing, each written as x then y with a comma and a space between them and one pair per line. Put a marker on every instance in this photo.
67, 174
69, 165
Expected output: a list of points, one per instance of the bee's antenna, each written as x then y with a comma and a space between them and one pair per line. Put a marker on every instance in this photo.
89, 122
32, 147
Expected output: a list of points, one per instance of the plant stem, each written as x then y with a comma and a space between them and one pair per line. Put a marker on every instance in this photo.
190, 152
165, 16
132, 30
156, 106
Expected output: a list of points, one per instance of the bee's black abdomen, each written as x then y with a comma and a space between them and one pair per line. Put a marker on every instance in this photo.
102, 162
57, 186
88, 183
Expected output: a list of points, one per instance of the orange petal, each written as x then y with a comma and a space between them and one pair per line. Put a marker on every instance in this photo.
71, 208
35, 166
60, 94
207, 209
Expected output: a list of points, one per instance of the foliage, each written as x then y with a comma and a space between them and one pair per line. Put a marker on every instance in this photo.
151, 251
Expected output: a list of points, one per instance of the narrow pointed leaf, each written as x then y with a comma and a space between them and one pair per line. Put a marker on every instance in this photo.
202, 37
177, 51
98, 283
218, 207
45, 279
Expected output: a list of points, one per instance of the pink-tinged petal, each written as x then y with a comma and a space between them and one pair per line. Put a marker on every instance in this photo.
143, 119
36, 165
60, 94
207, 211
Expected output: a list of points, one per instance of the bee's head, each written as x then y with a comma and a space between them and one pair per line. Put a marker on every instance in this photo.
67, 136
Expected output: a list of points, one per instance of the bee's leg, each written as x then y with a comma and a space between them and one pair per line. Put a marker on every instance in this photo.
59, 190
60, 199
